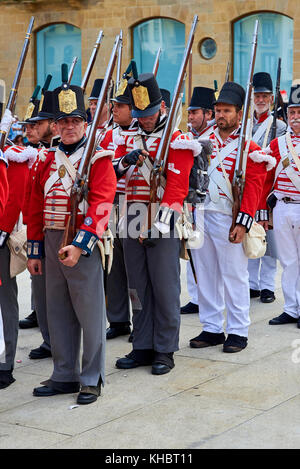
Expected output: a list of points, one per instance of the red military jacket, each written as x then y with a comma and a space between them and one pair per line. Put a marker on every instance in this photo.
277, 178
20, 159
178, 166
3, 186
91, 225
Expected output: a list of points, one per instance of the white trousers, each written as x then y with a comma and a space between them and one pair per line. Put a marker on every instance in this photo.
222, 275
286, 220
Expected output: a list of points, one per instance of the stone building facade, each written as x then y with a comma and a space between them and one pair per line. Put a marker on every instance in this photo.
216, 20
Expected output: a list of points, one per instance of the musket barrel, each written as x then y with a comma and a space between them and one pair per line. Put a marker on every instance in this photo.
119, 64
14, 89
238, 172
90, 65
71, 71
101, 101
166, 136
156, 62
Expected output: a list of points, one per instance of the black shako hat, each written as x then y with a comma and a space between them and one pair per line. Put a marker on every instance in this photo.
166, 97
95, 93
47, 109
145, 95
294, 99
231, 93
122, 95
202, 98
262, 83
68, 101
96, 90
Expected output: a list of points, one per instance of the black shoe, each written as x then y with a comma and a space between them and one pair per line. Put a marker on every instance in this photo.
134, 359
298, 323
234, 343
117, 330
52, 388
267, 296
283, 318
40, 352
30, 321
207, 339
88, 394
6, 378
190, 308
163, 363
254, 293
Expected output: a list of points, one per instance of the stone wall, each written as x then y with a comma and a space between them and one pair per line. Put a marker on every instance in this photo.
215, 20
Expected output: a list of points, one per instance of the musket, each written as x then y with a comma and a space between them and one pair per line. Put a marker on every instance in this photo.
227, 72
156, 62
190, 77
14, 90
119, 63
163, 148
92, 60
276, 101
79, 184
162, 152
71, 71
238, 182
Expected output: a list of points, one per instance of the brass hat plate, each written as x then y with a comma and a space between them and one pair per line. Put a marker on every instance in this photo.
67, 101
29, 111
140, 97
41, 103
122, 87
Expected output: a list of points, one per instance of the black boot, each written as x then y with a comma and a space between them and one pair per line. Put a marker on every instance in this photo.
163, 363
6, 378
89, 394
29, 322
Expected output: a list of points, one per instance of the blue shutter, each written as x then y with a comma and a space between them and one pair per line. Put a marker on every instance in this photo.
170, 36
275, 39
57, 44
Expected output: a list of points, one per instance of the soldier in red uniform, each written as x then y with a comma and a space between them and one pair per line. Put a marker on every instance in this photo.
20, 159
284, 182
262, 271
74, 286
153, 263
220, 264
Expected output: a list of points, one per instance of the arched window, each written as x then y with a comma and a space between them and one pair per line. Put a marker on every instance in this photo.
58, 44
148, 37
275, 39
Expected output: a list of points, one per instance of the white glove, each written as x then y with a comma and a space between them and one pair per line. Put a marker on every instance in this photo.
6, 121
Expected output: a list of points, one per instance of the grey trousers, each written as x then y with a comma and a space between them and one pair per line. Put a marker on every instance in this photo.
75, 304
154, 285
9, 309
38, 285
118, 302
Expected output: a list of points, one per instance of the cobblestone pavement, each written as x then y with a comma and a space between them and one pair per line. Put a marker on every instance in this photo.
210, 400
